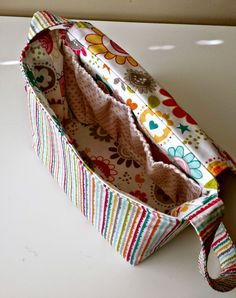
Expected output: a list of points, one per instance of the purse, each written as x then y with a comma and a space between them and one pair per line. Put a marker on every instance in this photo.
128, 156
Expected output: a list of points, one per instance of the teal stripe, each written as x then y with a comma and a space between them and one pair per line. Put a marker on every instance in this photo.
101, 204
58, 21
98, 204
222, 242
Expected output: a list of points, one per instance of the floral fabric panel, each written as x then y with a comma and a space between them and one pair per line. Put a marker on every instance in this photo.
168, 124
48, 70
156, 128
116, 165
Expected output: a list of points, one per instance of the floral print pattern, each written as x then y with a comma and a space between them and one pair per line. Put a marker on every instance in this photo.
104, 168
46, 42
187, 162
140, 81
177, 125
45, 76
108, 77
100, 44
122, 156
177, 110
99, 133
165, 117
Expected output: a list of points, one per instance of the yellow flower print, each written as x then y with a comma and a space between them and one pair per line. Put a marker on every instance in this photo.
101, 44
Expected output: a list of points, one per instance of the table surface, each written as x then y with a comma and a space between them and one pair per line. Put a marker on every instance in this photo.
47, 248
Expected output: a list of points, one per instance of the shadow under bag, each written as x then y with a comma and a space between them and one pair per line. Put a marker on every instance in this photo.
134, 162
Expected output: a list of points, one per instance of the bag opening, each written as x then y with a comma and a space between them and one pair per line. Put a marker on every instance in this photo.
103, 129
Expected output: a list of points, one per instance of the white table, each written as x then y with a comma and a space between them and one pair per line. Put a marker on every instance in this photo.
47, 248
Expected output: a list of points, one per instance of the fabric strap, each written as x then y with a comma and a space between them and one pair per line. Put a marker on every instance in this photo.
207, 222
206, 219
42, 20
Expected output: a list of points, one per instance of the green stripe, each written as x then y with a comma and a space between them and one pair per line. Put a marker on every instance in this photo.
210, 220
228, 259
108, 213
58, 21
39, 21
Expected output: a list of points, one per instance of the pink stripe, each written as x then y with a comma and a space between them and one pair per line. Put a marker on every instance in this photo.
204, 208
105, 210
47, 16
83, 192
220, 239
205, 232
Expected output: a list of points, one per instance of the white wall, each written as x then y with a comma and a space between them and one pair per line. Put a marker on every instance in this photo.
170, 11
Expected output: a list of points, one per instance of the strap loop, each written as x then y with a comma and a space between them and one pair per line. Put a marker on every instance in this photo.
42, 20
207, 221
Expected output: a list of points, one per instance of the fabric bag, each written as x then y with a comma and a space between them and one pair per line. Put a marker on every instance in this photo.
134, 162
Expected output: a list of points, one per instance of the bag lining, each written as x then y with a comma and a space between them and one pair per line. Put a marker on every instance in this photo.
85, 107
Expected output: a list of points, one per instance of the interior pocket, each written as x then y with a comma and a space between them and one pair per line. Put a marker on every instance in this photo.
105, 133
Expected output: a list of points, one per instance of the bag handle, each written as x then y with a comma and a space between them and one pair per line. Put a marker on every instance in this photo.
42, 20
207, 222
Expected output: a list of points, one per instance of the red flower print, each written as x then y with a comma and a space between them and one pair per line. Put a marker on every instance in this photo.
139, 195
177, 110
104, 168
46, 42
81, 51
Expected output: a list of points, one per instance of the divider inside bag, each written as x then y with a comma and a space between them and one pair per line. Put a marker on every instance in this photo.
80, 105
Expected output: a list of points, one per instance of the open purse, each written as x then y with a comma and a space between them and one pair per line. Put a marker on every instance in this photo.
134, 162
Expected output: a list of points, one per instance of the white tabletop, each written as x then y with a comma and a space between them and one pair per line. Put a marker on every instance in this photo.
47, 248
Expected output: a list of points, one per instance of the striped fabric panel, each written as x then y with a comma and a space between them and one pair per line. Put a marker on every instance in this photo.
224, 248
42, 20
134, 230
207, 222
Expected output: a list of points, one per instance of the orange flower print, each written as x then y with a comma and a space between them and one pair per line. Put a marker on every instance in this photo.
101, 44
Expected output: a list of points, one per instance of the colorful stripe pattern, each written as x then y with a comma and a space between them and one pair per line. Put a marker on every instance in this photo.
43, 20
207, 222
134, 229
